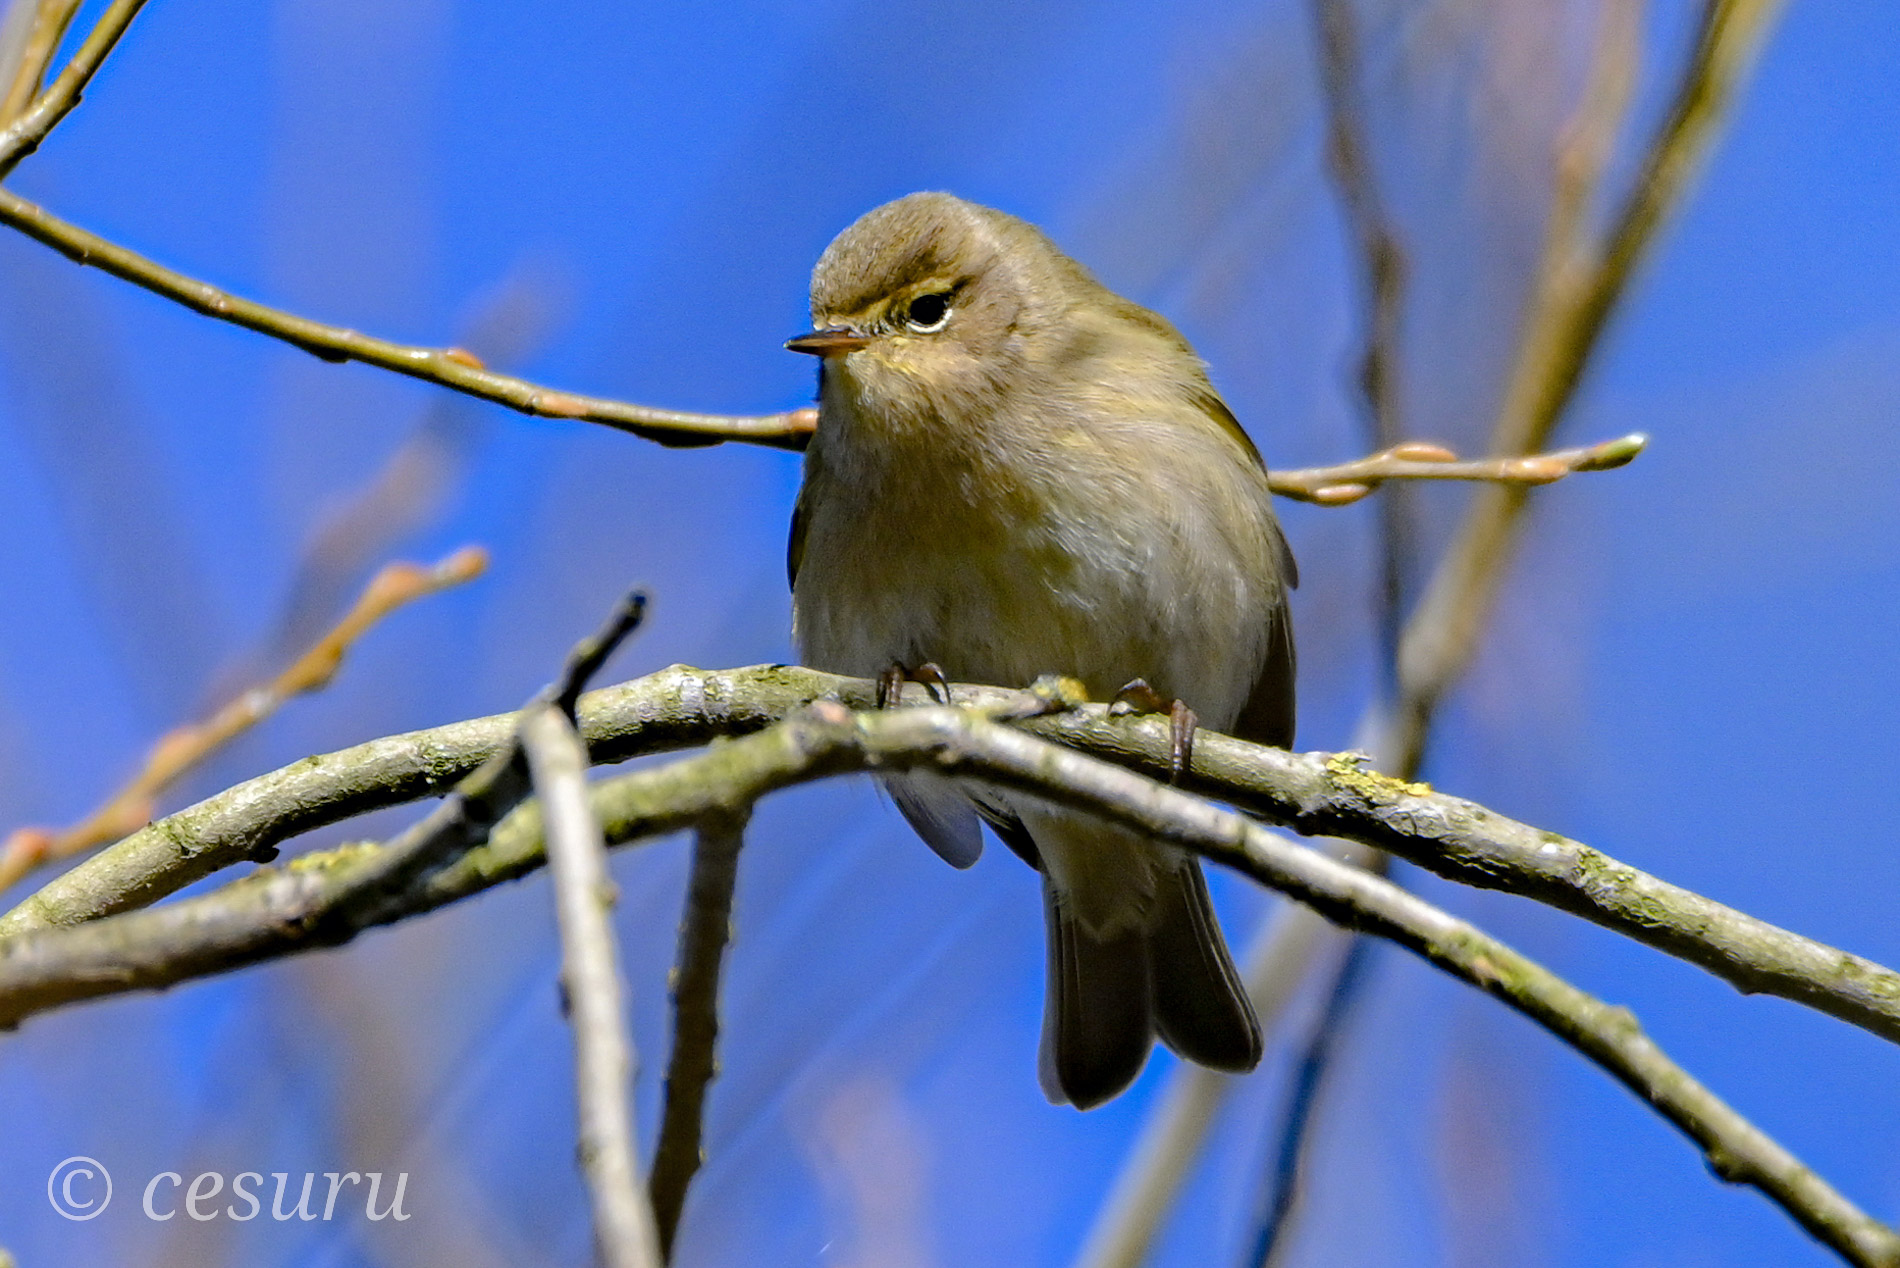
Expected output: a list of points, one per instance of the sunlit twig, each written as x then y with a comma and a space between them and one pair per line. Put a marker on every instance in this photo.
1422, 460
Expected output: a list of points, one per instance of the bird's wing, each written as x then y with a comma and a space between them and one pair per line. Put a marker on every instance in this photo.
795, 545
940, 813
1267, 717
1210, 403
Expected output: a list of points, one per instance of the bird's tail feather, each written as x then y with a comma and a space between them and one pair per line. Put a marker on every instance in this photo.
1200, 1004
1098, 1016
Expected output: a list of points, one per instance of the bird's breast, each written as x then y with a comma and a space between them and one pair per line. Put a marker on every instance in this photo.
1060, 557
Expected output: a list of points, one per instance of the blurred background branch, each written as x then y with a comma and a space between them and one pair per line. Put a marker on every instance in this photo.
29, 34
1574, 293
184, 749
22, 131
1578, 290
705, 931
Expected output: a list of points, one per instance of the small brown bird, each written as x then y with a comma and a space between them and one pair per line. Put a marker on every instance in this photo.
1018, 472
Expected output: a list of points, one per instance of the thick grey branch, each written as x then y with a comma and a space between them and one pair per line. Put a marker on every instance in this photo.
1315, 794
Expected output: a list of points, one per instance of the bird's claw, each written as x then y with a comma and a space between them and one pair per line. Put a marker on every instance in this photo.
1139, 697
890, 683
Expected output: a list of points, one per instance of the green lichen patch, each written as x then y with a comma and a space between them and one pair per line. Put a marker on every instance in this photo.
1349, 771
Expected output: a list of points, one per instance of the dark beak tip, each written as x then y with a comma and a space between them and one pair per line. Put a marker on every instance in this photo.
827, 342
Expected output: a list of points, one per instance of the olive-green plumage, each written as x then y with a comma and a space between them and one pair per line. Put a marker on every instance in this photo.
1018, 472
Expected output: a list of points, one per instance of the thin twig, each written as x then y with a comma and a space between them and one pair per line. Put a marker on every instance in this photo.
453, 368
185, 748
446, 367
595, 991
22, 135
374, 884
144, 949
704, 934
1421, 460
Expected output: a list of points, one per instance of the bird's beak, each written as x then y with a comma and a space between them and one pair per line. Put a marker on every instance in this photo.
832, 341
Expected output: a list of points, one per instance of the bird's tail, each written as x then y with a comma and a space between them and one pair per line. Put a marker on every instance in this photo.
1109, 996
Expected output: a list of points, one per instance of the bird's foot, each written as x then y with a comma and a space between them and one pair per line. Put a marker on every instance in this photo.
1139, 697
890, 683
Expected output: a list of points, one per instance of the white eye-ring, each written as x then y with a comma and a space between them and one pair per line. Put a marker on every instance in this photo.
928, 313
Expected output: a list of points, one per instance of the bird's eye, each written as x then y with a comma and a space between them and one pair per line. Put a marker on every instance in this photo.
927, 313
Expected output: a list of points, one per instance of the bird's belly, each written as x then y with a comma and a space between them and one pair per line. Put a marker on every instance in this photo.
1004, 604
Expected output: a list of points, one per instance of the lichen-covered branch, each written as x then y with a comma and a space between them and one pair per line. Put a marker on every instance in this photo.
38, 969
1313, 793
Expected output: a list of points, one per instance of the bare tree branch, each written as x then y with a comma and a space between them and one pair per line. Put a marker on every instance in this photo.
455, 369
446, 367
452, 368
594, 989
145, 949
461, 371
1382, 270
183, 749
704, 933
1283, 1187
1383, 276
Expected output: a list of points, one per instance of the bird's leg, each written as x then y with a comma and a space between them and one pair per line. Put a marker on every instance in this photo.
890, 683
1139, 697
